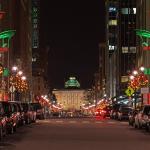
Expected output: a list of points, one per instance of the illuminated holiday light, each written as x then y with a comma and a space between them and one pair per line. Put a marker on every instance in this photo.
135, 72
23, 78
131, 77
7, 34
20, 73
14, 68
142, 68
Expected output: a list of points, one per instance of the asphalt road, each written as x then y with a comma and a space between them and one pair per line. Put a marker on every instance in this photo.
77, 134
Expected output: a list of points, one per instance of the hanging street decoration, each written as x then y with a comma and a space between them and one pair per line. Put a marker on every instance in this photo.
144, 35
5, 37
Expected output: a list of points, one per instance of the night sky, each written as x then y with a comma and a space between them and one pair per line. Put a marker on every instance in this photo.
72, 30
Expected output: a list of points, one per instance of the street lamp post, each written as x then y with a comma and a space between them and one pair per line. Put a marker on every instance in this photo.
12, 87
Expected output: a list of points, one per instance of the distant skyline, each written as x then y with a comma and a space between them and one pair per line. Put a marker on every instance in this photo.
72, 30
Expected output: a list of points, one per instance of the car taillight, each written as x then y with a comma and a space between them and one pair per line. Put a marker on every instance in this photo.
96, 112
103, 111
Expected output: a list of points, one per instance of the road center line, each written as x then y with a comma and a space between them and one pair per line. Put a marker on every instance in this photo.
85, 121
72, 121
98, 122
110, 122
59, 121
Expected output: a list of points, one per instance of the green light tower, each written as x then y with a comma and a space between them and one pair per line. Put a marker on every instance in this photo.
72, 83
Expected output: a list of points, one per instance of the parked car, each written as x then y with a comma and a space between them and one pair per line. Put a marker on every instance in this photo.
3, 119
132, 116
29, 113
18, 110
114, 111
101, 113
39, 110
142, 117
123, 112
11, 121
107, 110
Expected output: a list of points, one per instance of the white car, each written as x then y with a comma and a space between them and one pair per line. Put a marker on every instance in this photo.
142, 117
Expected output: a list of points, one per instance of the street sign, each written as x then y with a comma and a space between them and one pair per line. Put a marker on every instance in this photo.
12, 89
129, 91
145, 90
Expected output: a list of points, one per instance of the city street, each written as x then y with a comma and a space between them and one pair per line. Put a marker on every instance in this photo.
77, 134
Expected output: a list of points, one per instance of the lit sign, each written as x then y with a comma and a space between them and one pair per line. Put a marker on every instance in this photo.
146, 48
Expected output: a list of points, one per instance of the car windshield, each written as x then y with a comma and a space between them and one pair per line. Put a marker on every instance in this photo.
126, 109
25, 106
36, 106
116, 107
7, 108
147, 110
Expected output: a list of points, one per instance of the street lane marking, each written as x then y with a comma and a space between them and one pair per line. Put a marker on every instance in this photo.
72, 121
99, 122
111, 122
59, 121
124, 122
85, 122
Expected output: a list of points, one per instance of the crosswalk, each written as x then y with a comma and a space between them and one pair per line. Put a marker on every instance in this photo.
111, 122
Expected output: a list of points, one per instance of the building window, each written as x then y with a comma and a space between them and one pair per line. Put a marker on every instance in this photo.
111, 47
33, 59
132, 49
112, 22
127, 11
112, 9
129, 50
124, 49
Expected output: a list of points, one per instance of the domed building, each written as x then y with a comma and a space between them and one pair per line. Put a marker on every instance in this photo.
72, 96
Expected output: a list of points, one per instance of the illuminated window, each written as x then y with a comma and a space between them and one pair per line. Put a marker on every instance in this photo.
126, 11
129, 50
124, 49
35, 26
111, 47
33, 59
132, 49
134, 10
112, 22
112, 9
